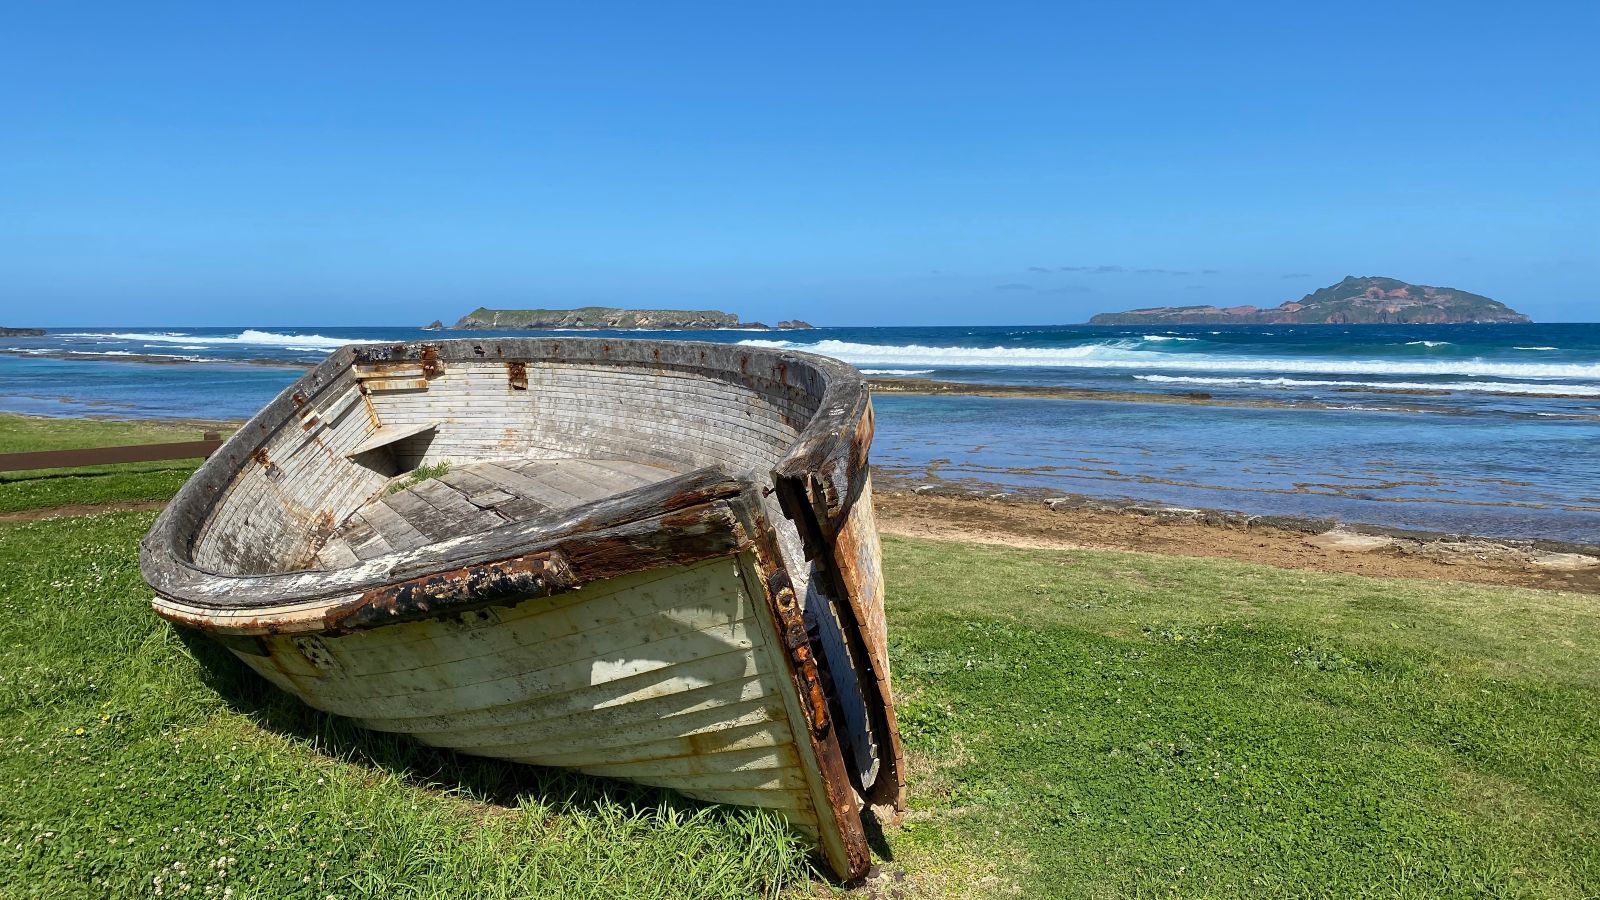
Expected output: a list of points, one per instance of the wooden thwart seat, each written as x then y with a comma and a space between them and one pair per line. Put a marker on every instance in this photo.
478, 497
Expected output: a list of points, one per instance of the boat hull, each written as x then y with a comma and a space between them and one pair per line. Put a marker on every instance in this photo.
715, 626
676, 677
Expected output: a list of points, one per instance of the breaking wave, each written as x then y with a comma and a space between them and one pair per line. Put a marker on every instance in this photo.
1427, 343
1482, 387
1120, 355
247, 337
48, 352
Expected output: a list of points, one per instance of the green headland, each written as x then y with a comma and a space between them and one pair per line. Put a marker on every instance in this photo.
607, 317
1355, 300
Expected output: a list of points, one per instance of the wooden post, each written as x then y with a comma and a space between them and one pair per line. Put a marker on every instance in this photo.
102, 456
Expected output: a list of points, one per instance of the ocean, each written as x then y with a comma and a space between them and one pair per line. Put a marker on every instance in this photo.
1475, 429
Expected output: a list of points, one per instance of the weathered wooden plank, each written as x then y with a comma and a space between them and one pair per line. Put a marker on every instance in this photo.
387, 435
719, 740
624, 725
100, 456
552, 474
364, 540
455, 514
414, 511
647, 473
571, 665
519, 508
776, 780
606, 478
793, 806
651, 611
440, 690
387, 521
478, 490
527, 486
336, 554
761, 758
735, 667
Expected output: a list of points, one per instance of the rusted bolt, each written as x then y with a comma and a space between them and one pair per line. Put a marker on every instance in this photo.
432, 366
260, 456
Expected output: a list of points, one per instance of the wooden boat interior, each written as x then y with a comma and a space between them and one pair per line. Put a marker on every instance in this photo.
553, 433
651, 560
478, 497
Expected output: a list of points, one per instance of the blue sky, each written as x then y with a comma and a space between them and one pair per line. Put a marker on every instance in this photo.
391, 163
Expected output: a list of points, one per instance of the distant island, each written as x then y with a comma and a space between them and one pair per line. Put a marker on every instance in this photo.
21, 332
1353, 301
606, 317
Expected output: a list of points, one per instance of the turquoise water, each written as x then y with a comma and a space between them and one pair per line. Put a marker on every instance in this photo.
1478, 429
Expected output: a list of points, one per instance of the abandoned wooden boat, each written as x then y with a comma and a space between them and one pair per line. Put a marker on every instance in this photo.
653, 561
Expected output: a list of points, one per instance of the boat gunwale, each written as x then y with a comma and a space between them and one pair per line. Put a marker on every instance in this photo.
696, 522
193, 594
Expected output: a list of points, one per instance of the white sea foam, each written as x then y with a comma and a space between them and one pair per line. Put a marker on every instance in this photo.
248, 337
1165, 337
1482, 387
1120, 355
1536, 348
51, 351
1427, 343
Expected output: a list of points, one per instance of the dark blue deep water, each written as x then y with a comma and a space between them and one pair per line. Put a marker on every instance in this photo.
1486, 429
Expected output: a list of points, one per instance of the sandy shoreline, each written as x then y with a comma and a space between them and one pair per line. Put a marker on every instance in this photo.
1018, 520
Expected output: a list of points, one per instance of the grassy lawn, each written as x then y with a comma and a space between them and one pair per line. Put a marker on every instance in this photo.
1107, 724
1078, 723
44, 488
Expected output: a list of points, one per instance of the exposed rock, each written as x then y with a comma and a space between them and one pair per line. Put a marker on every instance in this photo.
1339, 539
597, 317
1365, 300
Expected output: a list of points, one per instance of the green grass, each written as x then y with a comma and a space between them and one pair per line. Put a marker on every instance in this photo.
1108, 724
45, 488
419, 475
1078, 724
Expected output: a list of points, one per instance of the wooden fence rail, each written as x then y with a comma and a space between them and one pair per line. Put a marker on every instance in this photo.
100, 456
